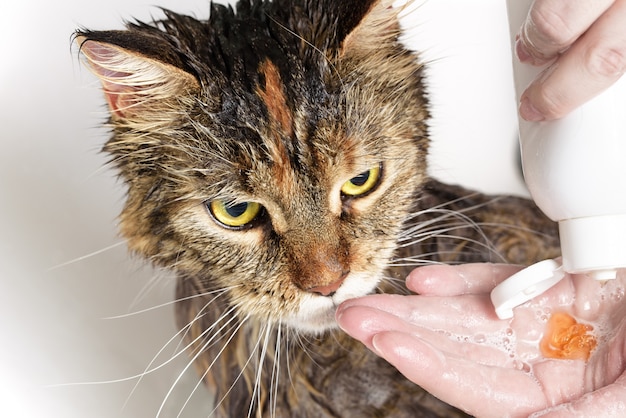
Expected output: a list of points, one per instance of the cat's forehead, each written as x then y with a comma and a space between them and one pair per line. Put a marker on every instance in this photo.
290, 146
288, 133
273, 95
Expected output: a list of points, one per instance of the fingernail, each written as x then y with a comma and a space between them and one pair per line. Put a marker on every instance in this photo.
530, 112
375, 347
521, 51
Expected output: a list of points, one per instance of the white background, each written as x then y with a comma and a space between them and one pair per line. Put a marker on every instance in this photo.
63, 269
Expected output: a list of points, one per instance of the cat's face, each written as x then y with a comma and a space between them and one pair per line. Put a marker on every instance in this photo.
272, 166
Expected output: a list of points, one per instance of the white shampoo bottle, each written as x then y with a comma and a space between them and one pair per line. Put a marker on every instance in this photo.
575, 170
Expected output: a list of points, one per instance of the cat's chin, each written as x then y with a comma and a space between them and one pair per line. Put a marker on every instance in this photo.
316, 314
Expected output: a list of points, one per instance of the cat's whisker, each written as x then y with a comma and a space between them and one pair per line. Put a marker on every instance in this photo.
462, 198
245, 365
264, 335
219, 292
440, 210
276, 369
305, 344
216, 336
424, 259
214, 339
463, 240
514, 227
444, 223
191, 393
179, 350
149, 369
86, 256
397, 284
446, 214
146, 372
443, 232
158, 280
287, 343
205, 373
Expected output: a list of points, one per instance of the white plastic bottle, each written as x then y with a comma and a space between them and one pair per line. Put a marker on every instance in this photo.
575, 170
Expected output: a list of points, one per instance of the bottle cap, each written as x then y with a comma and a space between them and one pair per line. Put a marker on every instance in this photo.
594, 245
525, 285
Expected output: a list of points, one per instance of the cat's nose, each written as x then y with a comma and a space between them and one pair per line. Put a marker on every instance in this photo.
329, 289
319, 268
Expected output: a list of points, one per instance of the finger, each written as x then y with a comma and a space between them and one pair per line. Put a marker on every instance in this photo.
606, 402
463, 315
477, 389
445, 280
592, 64
363, 322
554, 25
485, 346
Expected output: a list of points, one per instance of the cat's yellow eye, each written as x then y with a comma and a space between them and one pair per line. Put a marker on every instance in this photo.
234, 215
363, 183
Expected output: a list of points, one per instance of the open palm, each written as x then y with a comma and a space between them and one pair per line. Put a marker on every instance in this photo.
448, 340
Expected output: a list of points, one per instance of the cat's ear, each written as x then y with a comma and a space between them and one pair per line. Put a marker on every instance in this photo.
141, 77
367, 25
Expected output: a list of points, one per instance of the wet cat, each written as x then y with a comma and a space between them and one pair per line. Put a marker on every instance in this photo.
275, 158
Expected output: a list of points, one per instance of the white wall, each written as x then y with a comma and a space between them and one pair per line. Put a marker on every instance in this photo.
58, 201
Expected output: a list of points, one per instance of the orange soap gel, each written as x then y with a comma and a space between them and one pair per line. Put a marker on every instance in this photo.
567, 339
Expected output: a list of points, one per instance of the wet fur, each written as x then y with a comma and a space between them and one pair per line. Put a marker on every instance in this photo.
281, 103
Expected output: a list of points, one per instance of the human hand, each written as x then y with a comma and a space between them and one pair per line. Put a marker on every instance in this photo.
449, 341
586, 41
